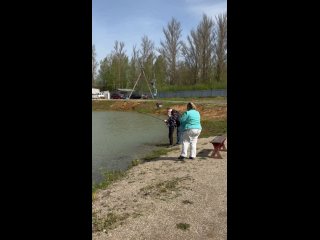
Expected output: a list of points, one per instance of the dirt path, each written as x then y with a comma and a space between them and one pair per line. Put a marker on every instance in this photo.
155, 197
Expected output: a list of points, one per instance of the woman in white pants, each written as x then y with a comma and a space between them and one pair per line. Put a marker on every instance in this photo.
191, 127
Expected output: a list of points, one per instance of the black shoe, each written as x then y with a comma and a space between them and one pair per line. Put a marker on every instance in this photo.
191, 158
181, 157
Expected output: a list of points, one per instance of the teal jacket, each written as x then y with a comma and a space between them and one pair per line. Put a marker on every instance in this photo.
190, 120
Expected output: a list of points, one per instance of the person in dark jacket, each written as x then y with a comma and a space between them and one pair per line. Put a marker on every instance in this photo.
176, 116
171, 123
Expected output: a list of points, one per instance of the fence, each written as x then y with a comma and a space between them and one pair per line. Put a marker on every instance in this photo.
195, 93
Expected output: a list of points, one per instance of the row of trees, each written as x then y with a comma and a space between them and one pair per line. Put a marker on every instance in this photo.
200, 60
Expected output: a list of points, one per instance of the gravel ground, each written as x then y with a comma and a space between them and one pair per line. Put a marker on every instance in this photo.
166, 199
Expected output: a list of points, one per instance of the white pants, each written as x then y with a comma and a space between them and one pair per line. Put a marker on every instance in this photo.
190, 136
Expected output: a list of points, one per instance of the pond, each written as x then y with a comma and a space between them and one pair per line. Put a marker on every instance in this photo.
120, 137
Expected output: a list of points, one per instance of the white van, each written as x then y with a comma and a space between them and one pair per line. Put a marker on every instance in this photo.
106, 94
101, 95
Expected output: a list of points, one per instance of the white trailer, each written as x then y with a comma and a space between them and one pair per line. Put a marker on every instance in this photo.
95, 92
106, 94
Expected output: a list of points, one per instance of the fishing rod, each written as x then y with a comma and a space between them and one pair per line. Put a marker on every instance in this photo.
152, 116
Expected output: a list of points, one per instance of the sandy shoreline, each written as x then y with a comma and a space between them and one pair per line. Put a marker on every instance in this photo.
156, 196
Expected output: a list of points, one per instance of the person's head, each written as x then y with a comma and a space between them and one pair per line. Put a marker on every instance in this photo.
169, 110
190, 106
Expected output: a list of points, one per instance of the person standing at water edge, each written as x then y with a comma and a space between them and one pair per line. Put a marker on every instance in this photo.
176, 116
191, 128
171, 124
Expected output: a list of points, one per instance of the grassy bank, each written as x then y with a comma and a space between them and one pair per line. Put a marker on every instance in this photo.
132, 105
172, 88
194, 99
213, 128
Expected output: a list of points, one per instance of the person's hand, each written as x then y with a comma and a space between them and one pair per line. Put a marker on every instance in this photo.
165, 121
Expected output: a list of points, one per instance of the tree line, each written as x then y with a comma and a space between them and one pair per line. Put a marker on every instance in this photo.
200, 61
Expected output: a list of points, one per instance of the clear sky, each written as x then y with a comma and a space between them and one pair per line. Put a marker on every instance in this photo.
129, 20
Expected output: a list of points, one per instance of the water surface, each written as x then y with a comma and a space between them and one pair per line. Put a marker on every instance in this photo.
120, 137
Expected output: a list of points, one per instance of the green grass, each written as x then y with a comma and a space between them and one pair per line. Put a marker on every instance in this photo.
135, 162
149, 107
104, 224
109, 177
183, 226
213, 128
188, 99
165, 186
163, 190
170, 185
215, 85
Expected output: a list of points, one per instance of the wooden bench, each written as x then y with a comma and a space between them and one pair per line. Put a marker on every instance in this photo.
218, 145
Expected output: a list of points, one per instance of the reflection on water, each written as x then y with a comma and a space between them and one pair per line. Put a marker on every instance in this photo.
120, 137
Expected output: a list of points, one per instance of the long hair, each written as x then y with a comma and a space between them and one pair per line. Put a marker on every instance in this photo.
191, 105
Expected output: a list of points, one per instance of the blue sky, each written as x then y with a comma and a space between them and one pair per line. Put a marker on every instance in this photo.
129, 20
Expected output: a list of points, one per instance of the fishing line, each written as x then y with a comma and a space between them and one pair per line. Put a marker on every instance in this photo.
152, 116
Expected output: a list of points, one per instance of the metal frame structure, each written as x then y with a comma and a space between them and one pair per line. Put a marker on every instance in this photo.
141, 72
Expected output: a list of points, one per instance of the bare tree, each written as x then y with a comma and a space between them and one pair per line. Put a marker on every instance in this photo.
134, 67
147, 58
198, 53
221, 46
160, 71
147, 49
171, 47
120, 58
206, 46
94, 64
105, 76
190, 52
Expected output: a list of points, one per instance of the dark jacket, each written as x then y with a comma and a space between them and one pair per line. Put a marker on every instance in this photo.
176, 116
171, 122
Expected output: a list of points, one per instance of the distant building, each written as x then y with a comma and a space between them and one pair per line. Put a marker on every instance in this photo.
106, 94
95, 90
97, 94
